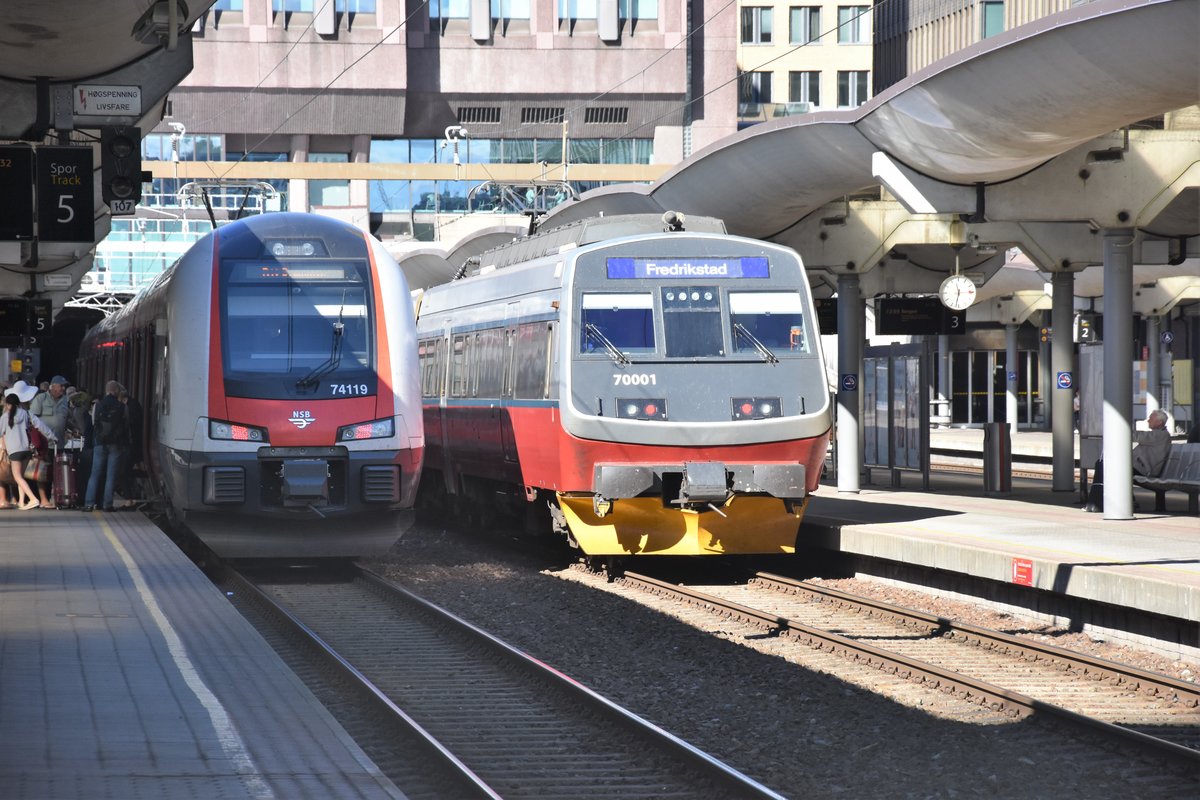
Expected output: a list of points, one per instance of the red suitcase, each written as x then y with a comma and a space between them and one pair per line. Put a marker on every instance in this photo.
66, 490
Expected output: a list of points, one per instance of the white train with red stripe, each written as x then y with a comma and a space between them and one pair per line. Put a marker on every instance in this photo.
276, 364
660, 391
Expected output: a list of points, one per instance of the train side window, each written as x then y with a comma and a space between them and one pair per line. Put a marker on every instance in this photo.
776, 319
626, 320
510, 341
532, 352
458, 367
552, 360
490, 355
692, 321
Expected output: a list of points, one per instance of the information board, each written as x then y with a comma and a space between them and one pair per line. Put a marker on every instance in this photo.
16, 193
65, 201
14, 318
915, 316
827, 318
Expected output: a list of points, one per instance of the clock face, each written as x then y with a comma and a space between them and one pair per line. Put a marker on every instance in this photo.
957, 292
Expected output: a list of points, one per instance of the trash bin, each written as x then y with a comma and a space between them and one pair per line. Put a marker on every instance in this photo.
997, 458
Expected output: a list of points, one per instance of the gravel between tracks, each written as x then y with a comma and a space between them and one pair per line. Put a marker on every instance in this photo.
800, 721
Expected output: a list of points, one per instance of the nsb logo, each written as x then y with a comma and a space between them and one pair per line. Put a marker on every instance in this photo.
302, 419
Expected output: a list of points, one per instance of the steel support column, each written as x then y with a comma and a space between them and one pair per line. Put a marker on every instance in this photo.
1118, 373
851, 319
943, 385
1062, 415
1012, 371
1153, 365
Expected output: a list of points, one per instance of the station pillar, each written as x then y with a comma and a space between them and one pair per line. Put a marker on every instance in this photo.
1153, 365
1118, 373
944, 411
1062, 415
851, 319
1012, 375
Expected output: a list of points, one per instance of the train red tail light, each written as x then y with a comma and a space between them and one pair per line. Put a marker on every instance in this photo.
756, 407
236, 432
642, 408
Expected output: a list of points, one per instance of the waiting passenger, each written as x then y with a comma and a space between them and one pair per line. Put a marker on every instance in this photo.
1150, 453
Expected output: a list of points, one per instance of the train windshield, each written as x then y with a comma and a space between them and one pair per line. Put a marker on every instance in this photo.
294, 319
624, 321
774, 320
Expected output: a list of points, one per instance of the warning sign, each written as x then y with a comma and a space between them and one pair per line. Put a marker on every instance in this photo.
1022, 571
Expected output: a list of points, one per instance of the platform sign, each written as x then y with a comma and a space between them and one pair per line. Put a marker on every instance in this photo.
65, 201
1166, 337
41, 318
1022, 571
14, 318
915, 316
1064, 380
16, 194
827, 319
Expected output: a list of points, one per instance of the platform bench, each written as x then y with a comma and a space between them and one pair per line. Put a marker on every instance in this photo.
1181, 474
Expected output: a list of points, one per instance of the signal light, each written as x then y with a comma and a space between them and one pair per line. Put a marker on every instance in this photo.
756, 407
120, 163
655, 408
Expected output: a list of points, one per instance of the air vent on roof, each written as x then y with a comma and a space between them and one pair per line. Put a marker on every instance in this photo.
541, 116
611, 115
478, 115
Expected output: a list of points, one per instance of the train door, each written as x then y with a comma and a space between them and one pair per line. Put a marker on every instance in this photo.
507, 438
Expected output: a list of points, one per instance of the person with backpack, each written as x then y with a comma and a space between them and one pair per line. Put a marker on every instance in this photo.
110, 434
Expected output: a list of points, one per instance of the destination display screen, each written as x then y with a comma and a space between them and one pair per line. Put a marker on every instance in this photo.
272, 271
701, 268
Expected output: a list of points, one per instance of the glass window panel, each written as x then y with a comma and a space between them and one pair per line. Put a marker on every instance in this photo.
154, 145
450, 9
389, 151
482, 151
389, 196
424, 195
292, 6
355, 6
637, 9
853, 22
993, 19
626, 320
227, 5
756, 25
576, 9
519, 151
774, 318
585, 151
805, 24
549, 150
423, 151
510, 9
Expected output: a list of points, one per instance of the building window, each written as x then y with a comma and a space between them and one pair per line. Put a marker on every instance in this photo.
754, 88
854, 23
804, 87
227, 5
329, 192
993, 19
576, 9
292, 6
449, 9
637, 9
852, 88
756, 25
355, 7
805, 25
509, 9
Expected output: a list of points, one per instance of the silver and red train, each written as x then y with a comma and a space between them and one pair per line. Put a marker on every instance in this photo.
276, 362
662, 391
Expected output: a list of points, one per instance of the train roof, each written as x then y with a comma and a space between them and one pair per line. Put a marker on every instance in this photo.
585, 232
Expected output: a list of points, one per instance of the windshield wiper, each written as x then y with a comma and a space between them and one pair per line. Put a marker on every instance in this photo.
616, 355
762, 349
335, 354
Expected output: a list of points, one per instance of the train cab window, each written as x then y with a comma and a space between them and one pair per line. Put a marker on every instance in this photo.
626, 321
774, 320
282, 319
692, 321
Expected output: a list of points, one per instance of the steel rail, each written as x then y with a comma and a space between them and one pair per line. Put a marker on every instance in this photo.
721, 773
1162, 685
362, 684
1016, 703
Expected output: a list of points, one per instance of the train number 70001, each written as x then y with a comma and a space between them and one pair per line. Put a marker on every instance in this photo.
635, 379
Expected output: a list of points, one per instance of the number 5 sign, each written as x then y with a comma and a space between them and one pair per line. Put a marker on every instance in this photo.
65, 186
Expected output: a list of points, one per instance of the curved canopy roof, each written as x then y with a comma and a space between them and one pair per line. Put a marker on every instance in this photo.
989, 113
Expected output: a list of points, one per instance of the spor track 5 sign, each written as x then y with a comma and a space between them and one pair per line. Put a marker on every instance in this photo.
65, 183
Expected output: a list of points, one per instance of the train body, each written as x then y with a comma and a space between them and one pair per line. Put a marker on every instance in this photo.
661, 392
276, 362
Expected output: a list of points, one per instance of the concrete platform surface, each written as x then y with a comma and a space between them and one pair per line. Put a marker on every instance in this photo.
1032, 536
124, 673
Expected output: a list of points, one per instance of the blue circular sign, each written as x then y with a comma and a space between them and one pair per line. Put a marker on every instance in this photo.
1064, 380
850, 382
1166, 337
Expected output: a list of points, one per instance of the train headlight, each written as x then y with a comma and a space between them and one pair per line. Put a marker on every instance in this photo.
756, 407
376, 429
641, 408
236, 432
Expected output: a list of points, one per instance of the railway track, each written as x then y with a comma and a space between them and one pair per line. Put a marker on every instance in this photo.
1153, 713
475, 716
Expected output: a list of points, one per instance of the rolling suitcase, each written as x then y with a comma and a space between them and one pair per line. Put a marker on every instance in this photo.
66, 488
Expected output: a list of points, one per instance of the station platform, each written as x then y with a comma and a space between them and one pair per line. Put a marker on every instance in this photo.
125, 673
1032, 536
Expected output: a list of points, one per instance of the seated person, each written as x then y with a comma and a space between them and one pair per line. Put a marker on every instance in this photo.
1150, 452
